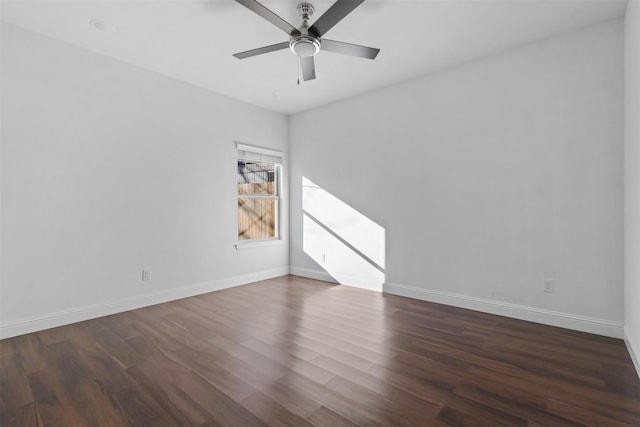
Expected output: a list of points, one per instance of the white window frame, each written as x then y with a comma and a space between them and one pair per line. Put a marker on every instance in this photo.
267, 155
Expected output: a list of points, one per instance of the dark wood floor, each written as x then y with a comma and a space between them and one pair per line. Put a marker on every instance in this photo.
298, 352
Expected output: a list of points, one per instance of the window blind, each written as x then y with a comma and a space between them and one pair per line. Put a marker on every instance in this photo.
258, 154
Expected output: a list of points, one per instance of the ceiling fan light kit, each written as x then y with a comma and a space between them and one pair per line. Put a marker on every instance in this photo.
305, 42
305, 45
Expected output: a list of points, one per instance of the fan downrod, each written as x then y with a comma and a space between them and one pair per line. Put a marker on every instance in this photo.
305, 10
305, 44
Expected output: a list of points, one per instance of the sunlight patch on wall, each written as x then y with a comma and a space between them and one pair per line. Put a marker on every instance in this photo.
345, 243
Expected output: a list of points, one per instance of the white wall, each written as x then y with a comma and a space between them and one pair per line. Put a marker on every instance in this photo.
108, 169
632, 181
487, 177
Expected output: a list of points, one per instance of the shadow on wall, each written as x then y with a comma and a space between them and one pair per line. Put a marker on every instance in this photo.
345, 243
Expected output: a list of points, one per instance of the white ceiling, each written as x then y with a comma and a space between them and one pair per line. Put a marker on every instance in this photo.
194, 41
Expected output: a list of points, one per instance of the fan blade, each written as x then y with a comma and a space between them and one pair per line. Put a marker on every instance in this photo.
261, 50
259, 9
308, 68
349, 49
333, 15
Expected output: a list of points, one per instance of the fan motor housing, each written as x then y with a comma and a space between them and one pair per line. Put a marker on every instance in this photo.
305, 45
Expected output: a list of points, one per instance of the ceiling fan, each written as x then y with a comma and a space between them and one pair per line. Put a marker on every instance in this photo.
307, 41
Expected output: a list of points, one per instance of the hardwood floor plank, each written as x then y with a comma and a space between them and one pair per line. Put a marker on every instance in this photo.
270, 368
516, 404
326, 417
369, 341
291, 351
96, 407
11, 372
30, 348
164, 335
303, 367
271, 412
205, 367
249, 373
407, 402
54, 403
584, 415
456, 418
340, 404
391, 412
562, 390
277, 389
138, 406
118, 348
376, 356
22, 416
325, 348
161, 381
425, 386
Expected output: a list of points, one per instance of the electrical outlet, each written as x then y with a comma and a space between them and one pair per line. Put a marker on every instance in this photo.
548, 286
146, 275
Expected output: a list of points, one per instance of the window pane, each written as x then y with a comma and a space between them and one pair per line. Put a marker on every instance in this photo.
256, 218
256, 178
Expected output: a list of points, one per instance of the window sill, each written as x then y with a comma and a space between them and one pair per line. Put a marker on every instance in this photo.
259, 244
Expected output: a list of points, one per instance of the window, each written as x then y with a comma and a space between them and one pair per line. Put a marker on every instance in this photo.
259, 188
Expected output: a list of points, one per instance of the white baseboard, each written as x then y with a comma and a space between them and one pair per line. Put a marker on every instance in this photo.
312, 274
354, 282
634, 352
79, 314
533, 314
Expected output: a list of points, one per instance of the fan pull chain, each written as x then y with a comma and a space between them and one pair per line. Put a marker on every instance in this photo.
298, 71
